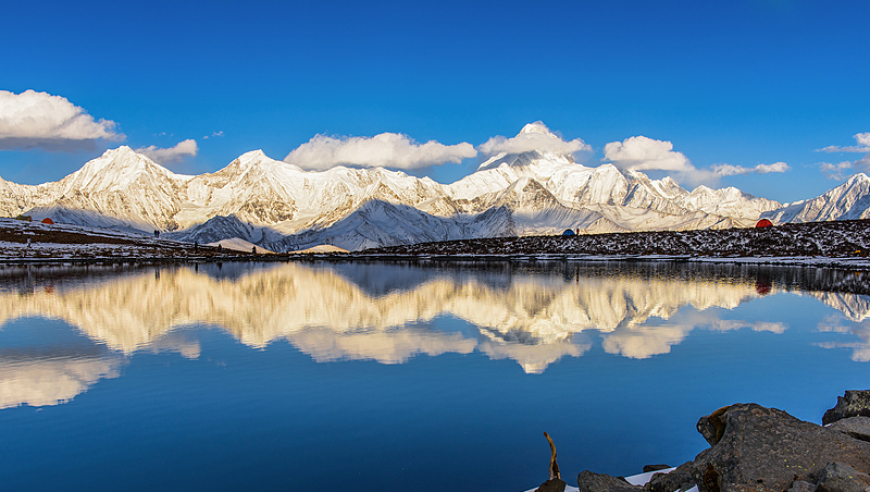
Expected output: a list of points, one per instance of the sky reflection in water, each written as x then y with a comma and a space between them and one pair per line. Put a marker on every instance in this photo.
394, 374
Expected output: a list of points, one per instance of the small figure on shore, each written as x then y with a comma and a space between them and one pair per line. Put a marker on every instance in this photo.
254, 250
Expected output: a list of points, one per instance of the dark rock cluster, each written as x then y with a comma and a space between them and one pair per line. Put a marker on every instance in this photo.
758, 449
834, 239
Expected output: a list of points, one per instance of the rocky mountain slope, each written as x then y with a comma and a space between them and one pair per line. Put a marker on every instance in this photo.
849, 201
282, 207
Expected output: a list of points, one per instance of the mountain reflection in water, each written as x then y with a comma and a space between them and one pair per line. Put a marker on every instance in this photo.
383, 312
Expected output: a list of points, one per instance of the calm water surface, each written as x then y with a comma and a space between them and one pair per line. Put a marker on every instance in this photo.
400, 376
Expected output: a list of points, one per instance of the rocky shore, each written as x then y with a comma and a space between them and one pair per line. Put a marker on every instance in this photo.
835, 239
753, 448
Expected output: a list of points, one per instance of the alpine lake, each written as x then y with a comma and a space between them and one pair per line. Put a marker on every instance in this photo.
403, 375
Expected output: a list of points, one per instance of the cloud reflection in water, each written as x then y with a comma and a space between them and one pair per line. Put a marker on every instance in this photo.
532, 318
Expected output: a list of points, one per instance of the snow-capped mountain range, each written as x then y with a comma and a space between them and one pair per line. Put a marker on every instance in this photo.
281, 207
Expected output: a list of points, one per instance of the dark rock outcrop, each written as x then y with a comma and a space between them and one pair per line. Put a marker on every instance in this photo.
801, 486
552, 485
853, 404
765, 449
588, 481
678, 479
854, 427
758, 449
837, 477
651, 468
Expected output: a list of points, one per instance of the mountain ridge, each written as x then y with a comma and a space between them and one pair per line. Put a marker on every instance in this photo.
531, 192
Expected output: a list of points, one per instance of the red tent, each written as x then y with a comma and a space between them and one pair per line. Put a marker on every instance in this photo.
763, 223
47, 221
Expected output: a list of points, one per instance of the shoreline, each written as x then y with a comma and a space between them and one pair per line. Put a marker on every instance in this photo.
841, 245
847, 263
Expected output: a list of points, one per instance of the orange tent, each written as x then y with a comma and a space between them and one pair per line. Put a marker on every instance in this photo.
47, 221
764, 223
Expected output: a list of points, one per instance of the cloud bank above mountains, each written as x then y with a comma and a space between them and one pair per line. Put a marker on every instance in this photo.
533, 137
399, 151
842, 169
393, 150
641, 153
38, 120
176, 153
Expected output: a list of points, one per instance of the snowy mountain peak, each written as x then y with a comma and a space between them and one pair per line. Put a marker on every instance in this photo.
850, 200
252, 157
120, 157
114, 169
537, 127
858, 178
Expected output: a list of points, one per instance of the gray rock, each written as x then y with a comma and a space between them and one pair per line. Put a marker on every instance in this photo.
678, 479
853, 404
588, 481
552, 485
838, 477
801, 486
855, 427
766, 450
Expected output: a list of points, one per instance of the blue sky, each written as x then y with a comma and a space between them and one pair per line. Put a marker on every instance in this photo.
740, 83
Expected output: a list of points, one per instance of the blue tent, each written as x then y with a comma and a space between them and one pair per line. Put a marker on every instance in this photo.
568, 232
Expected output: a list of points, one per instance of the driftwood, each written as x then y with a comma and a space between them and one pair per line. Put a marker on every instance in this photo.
555, 483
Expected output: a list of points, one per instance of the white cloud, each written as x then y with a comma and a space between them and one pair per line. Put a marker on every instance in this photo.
38, 120
841, 170
384, 150
172, 154
729, 170
728, 325
863, 140
646, 154
49, 380
215, 134
642, 153
534, 136
860, 348
836, 171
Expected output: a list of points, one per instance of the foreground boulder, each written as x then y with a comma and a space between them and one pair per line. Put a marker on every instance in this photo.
678, 479
758, 449
854, 427
765, 449
588, 481
853, 404
837, 477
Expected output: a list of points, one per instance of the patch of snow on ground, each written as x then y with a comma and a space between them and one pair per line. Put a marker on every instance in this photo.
239, 244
